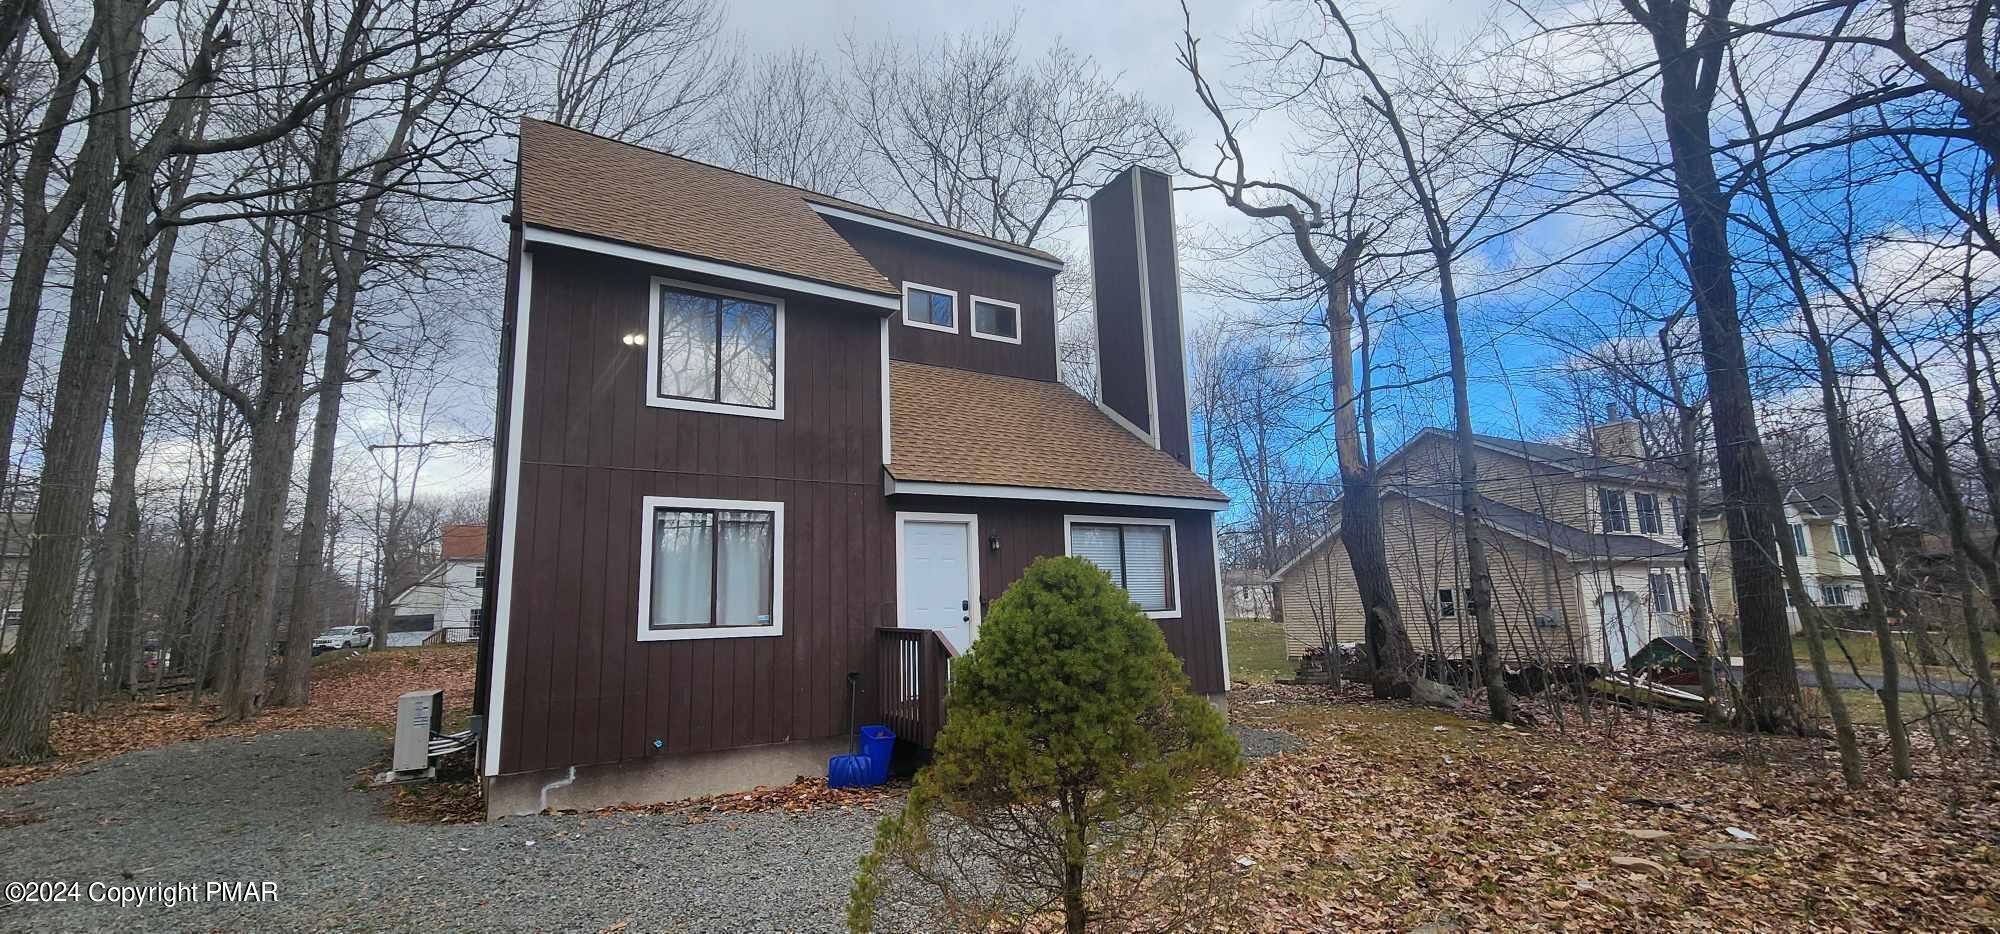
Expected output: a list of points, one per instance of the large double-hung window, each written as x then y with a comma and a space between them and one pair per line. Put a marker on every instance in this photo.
1137, 553
715, 350
711, 569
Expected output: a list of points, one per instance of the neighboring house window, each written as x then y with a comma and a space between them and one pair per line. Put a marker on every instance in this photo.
479, 575
1612, 504
716, 351
1799, 540
1649, 512
1137, 553
712, 569
996, 320
1677, 505
1841, 543
930, 307
1662, 586
1447, 603
1833, 594
475, 617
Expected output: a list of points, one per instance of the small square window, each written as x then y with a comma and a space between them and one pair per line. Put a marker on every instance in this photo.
926, 306
996, 320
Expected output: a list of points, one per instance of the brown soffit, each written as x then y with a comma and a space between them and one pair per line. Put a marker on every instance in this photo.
961, 427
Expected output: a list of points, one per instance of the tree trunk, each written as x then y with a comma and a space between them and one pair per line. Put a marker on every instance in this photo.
1751, 506
1392, 660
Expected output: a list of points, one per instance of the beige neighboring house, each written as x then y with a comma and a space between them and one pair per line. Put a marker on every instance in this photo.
14, 530
1816, 530
1584, 548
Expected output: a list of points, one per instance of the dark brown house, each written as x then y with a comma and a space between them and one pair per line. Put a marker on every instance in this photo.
754, 439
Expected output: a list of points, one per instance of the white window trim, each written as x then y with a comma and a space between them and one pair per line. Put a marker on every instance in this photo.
1173, 548
653, 397
647, 633
907, 286
982, 335
972, 568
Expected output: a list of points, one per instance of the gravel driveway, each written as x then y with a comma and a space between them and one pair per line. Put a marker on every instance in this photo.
283, 808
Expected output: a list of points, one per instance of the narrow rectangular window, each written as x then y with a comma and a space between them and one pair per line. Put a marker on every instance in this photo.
1662, 585
1138, 557
479, 576
712, 569
930, 307
1649, 512
1447, 603
996, 320
1841, 543
716, 351
1612, 504
1677, 506
1799, 540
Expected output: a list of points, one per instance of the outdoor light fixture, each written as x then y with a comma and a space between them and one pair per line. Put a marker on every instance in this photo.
633, 340
993, 543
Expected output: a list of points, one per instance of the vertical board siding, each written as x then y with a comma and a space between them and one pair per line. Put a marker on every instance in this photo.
1163, 291
1114, 263
581, 688
903, 258
1029, 530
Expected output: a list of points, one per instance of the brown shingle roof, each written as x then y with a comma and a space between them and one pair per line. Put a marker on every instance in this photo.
461, 542
958, 426
581, 183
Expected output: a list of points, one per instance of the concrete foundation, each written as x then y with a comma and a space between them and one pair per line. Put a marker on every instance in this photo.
656, 780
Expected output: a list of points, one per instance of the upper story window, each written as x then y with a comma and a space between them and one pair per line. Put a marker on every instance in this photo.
996, 320
1799, 540
711, 569
1611, 503
1137, 553
1841, 543
479, 575
1447, 603
714, 350
1649, 512
1678, 507
926, 306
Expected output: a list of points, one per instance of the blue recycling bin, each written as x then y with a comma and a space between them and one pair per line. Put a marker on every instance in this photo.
878, 743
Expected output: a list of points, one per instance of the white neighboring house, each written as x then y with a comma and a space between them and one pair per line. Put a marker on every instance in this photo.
448, 604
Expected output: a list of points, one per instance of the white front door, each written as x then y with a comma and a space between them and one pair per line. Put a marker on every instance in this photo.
1624, 625
937, 576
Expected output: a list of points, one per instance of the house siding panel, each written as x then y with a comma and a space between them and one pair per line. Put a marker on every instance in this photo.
1121, 350
1029, 530
903, 258
1164, 294
581, 689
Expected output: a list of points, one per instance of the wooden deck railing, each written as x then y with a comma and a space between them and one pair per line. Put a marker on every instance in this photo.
913, 673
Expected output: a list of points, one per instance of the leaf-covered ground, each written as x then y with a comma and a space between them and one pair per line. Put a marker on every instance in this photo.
355, 691
1394, 817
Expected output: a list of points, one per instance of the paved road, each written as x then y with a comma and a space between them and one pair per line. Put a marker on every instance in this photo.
284, 808
1844, 679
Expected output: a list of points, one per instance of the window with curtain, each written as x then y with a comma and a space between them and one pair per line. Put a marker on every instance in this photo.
1611, 504
716, 348
1649, 512
1139, 557
711, 567
928, 307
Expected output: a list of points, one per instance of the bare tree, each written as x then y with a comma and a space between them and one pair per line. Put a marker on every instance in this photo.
786, 120
644, 71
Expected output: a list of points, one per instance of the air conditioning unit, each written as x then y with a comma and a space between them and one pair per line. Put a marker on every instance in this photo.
417, 716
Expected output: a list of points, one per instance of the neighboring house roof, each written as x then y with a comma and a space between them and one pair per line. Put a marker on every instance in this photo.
1570, 459
464, 542
958, 426
580, 183
1523, 524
